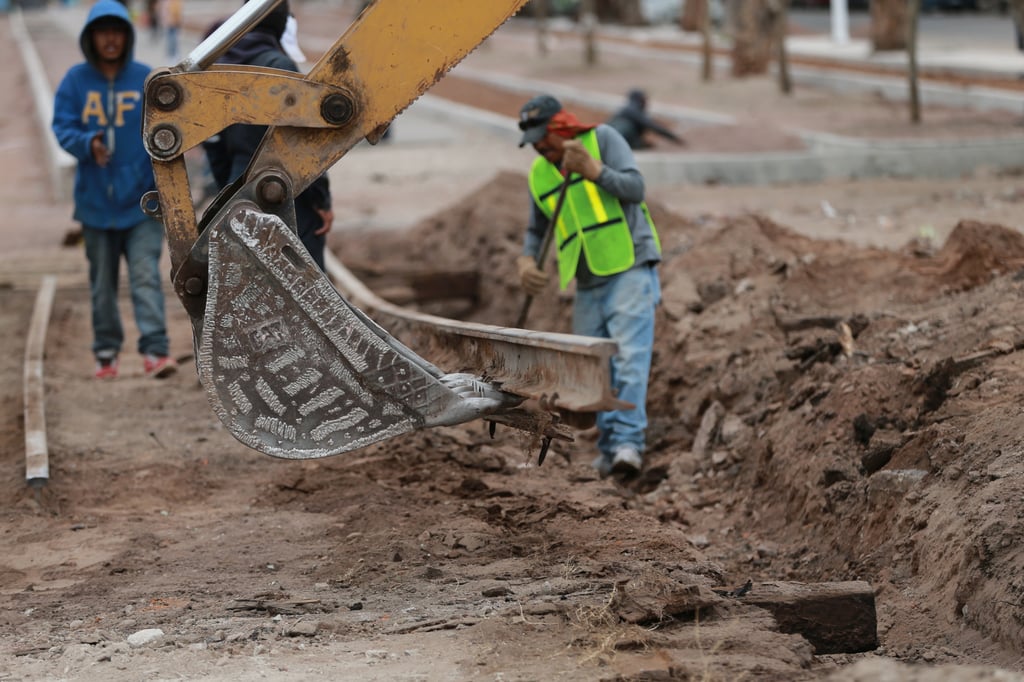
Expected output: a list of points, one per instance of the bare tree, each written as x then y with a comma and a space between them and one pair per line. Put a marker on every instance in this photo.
707, 68
696, 17
781, 10
754, 37
626, 12
1016, 8
1017, 14
588, 22
540, 15
913, 10
693, 15
889, 24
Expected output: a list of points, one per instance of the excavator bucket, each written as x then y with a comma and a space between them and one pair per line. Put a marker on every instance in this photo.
291, 368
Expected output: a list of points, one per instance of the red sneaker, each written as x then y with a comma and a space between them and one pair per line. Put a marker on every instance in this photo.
159, 366
106, 368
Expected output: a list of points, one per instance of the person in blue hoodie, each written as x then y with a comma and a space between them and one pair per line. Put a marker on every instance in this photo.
97, 118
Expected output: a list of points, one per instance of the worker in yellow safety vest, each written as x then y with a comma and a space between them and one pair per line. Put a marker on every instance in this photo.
607, 242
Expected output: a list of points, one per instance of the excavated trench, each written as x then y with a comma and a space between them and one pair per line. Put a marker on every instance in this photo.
819, 412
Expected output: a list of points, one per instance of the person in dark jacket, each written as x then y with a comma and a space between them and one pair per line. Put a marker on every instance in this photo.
229, 152
97, 116
632, 122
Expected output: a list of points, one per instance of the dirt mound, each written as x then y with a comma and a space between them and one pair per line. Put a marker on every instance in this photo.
818, 412
483, 233
975, 252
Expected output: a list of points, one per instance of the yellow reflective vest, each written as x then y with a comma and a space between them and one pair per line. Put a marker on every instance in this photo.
591, 221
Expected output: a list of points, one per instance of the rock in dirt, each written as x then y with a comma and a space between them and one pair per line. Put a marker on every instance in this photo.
144, 637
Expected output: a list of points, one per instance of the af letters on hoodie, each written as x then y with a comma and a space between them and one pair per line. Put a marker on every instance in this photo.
95, 113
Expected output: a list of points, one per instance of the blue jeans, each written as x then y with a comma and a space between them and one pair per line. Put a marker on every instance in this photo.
172, 42
140, 246
622, 309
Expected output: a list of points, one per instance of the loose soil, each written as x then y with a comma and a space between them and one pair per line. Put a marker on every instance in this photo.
834, 397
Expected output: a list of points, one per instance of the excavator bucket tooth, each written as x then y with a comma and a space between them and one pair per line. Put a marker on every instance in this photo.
544, 445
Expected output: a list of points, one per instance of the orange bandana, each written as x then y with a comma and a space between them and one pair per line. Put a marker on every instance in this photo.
565, 124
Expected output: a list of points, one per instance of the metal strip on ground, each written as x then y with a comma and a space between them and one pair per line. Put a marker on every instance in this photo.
37, 458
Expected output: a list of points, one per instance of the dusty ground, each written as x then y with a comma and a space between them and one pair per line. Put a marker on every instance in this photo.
889, 454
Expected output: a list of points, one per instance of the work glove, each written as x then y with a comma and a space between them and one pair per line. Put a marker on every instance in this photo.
531, 278
578, 160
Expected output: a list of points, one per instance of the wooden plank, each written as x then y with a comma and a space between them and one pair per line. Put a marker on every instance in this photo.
835, 617
37, 459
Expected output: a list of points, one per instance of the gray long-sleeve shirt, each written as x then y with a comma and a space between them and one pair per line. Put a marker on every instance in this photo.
621, 178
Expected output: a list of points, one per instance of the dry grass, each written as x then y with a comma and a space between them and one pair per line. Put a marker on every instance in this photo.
605, 634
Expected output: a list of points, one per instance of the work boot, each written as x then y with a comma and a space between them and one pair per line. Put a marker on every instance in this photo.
627, 461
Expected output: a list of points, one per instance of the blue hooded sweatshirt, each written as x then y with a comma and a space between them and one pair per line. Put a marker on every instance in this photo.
86, 103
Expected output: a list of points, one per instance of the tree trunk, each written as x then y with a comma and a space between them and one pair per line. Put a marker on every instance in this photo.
889, 24
707, 68
1017, 14
781, 29
913, 9
754, 39
541, 17
626, 12
588, 23
695, 12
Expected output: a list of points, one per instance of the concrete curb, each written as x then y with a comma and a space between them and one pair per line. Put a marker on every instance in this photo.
62, 164
687, 117
827, 157
895, 88
841, 160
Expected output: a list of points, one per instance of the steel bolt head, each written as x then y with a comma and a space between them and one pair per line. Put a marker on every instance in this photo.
194, 286
167, 96
164, 140
272, 190
337, 109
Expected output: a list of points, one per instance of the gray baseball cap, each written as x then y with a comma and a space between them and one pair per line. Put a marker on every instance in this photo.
535, 116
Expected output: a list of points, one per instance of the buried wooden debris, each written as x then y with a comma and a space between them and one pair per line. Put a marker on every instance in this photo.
855, 324
284, 607
935, 384
654, 601
835, 617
